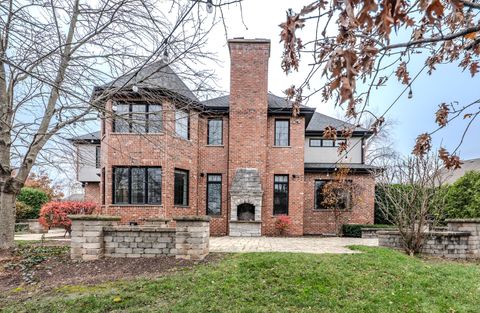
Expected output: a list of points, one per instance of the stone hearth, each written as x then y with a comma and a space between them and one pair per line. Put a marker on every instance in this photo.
246, 203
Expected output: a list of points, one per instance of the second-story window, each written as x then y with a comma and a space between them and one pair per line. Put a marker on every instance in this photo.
215, 132
182, 124
282, 133
138, 118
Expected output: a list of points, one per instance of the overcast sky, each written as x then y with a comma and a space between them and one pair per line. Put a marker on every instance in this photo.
412, 116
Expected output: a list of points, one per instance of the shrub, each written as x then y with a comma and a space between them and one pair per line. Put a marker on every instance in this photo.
462, 198
34, 198
24, 211
355, 230
54, 214
283, 223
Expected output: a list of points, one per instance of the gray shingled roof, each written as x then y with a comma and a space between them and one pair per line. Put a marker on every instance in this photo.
87, 137
274, 102
157, 75
319, 121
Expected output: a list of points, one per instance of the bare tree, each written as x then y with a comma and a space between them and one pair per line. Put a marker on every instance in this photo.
409, 196
53, 54
355, 47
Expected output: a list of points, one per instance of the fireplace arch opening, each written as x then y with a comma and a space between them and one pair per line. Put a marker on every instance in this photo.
246, 212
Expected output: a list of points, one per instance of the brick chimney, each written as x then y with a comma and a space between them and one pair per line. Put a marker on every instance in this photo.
247, 133
248, 103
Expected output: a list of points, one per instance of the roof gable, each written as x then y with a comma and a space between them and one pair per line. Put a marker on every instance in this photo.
157, 75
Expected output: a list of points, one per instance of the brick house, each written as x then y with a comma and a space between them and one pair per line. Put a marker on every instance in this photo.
243, 158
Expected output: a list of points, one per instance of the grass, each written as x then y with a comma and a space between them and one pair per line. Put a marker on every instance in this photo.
378, 280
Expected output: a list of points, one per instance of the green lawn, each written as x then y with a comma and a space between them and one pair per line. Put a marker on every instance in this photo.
378, 280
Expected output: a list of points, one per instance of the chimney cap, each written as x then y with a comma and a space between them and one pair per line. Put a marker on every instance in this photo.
243, 40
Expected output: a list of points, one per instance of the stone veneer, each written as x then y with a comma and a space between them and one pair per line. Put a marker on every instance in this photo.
461, 240
97, 236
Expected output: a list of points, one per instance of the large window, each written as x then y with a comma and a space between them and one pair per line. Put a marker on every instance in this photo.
214, 194
282, 133
339, 198
137, 185
181, 188
280, 194
182, 124
215, 132
138, 118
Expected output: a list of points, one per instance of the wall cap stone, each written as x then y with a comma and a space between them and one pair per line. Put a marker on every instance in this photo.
157, 219
94, 218
193, 218
430, 233
463, 220
126, 228
245, 222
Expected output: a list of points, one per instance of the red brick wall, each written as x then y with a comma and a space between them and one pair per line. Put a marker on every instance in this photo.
285, 160
92, 192
322, 222
164, 149
213, 160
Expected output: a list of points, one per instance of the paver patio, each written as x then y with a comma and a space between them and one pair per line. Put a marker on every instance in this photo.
257, 244
281, 244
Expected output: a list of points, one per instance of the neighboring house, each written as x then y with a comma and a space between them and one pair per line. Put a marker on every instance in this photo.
451, 176
243, 159
88, 164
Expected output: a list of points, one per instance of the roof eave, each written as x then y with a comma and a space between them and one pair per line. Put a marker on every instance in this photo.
356, 133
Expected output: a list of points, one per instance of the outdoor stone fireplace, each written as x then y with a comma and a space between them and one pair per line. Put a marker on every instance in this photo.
246, 203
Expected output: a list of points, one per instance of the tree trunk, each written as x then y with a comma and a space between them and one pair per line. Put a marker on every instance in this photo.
7, 220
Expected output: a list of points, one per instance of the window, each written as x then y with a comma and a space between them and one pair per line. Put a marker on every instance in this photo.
103, 185
214, 194
182, 123
215, 132
343, 196
181, 188
280, 194
97, 156
137, 185
138, 118
315, 142
327, 143
282, 133
121, 122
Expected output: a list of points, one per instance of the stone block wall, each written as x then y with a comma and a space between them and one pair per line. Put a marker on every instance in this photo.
461, 240
192, 237
95, 237
138, 241
87, 241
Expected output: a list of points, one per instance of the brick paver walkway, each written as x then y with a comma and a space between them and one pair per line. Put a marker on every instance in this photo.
296, 244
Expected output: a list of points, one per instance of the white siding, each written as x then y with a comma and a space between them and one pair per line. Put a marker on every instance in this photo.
87, 172
330, 154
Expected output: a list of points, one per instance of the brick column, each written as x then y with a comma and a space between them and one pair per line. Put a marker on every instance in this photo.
87, 236
471, 225
192, 237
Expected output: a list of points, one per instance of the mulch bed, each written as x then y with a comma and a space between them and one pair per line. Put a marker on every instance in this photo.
59, 270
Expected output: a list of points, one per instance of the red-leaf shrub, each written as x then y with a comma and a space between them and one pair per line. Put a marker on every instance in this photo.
54, 214
283, 223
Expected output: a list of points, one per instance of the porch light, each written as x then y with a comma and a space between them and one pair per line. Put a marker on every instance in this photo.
114, 108
410, 93
209, 6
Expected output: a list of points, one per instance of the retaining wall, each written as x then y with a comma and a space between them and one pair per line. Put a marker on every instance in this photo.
460, 240
96, 237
